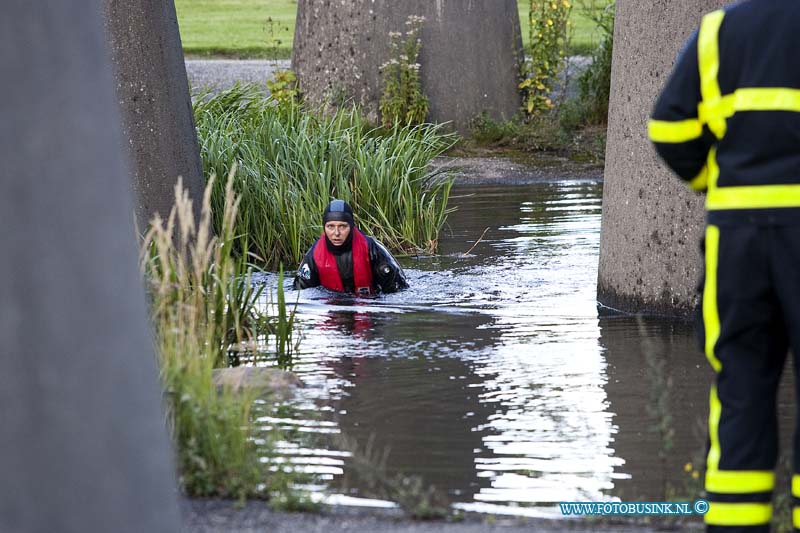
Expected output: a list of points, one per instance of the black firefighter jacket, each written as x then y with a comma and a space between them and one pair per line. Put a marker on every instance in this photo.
728, 119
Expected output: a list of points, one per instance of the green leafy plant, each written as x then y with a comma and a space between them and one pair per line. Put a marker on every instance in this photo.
402, 100
549, 38
283, 84
274, 29
283, 87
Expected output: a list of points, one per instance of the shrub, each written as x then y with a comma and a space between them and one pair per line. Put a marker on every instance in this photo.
595, 82
549, 38
486, 130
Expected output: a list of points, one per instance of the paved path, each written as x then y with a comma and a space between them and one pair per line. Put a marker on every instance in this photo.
216, 516
223, 73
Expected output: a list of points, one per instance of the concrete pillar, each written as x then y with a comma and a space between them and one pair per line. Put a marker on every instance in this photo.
153, 95
469, 59
83, 447
652, 224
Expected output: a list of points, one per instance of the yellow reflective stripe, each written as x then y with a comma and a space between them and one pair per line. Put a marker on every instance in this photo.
747, 196
766, 99
700, 182
739, 481
713, 168
720, 108
707, 177
753, 197
796, 486
664, 131
738, 514
750, 99
708, 55
714, 412
796, 518
708, 61
710, 312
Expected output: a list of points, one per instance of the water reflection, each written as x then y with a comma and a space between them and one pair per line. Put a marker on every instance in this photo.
352, 323
418, 410
651, 360
493, 377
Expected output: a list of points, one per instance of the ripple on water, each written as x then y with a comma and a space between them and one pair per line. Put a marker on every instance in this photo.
489, 376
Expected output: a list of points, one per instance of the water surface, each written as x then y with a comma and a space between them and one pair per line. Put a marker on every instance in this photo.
495, 377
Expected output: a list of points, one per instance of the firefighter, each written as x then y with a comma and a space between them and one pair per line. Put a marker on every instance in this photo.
728, 123
345, 260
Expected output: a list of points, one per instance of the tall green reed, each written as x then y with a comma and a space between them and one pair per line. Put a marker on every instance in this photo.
202, 301
291, 162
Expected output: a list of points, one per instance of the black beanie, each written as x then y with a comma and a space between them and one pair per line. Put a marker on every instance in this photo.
338, 210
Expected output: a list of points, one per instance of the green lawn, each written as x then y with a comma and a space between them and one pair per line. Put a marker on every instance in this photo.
242, 28
237, 28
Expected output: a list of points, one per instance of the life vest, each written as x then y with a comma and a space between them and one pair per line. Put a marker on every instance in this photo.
329, 272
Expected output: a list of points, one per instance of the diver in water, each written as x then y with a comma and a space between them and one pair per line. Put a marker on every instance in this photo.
345, 260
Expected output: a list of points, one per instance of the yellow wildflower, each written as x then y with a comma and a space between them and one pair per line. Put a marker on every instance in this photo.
687, 467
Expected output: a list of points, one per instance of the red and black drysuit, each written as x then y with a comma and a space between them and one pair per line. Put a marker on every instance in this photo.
361, 266
728, 122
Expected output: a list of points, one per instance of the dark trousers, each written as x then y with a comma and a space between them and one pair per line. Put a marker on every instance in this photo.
751, 316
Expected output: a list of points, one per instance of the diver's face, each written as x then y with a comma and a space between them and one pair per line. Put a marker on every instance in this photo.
337, 232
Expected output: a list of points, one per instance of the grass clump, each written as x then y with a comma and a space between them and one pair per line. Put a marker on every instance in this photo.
201, 302
291, 162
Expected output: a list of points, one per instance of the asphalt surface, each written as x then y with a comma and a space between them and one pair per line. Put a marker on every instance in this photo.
218, 74
219, 516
